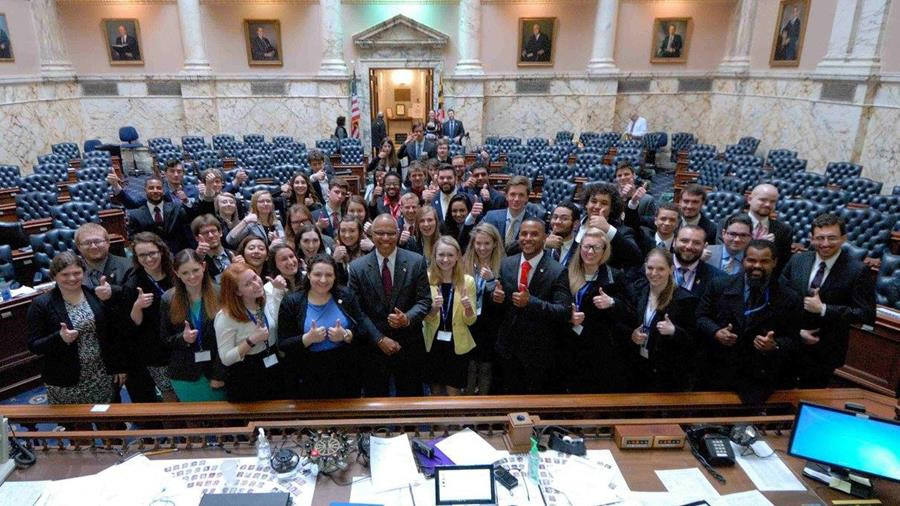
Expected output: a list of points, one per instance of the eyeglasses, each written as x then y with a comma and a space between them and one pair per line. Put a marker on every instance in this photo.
92, 242
592, 247
732, 235
390, 233
826, 238
148, 255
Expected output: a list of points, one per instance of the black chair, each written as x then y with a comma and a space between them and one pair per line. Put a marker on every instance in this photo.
786, 188
96, 192
74, 214
67, 149
7, 267
809, 179
56, 158
732, 184
831, 199
785, 168
92, 173
799, 214
59, 171
888, 204
35, 205
556, 191
46, 246
564, 136
751, 142
537, 143
128, 136
837, 172
682, 141
868, 229
721, 204
861, 188
13, 234
558, 171
887, 283
712, 172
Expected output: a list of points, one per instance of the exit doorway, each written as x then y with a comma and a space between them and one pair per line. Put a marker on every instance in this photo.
403, 95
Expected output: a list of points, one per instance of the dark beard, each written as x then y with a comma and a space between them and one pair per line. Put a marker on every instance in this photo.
758, 283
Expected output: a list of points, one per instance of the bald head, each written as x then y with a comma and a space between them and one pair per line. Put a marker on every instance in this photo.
384, 232
763, 199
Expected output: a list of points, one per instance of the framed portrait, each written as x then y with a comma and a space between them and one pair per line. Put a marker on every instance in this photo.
263, 39
787, 44
537, 38
670, 40
123, 41
6, 52
401, 110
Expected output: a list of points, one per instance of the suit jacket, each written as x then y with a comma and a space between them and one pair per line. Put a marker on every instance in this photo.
677, 43
173, 230
452, 128
411, 294
118, 270
534, 44
61, 363
715, 259
130, 50
407, 151
330, 231
644, 236
497, 218
497, 200
181, 359
625, 252
784, 237
144, 346
704, 274
292, 319
379, 132
849, 297
742, 367
261, 46
530, 334
436, 203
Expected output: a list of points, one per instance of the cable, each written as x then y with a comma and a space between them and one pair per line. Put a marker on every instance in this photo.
19, 452
715, 474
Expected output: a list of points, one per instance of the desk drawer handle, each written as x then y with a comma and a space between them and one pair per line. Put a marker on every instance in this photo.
7, 314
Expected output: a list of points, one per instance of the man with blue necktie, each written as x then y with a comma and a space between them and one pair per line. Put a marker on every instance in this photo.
736, 235
453, 128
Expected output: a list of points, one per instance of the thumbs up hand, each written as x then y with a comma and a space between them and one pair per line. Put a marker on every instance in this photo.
808, 336
437, 303
666, 327
260, 334
338, 334
466, 301
144, 300
316, 334
520, 298
602, 300
577, 316
726, 336
765, 343
485, 193
398, 319
103, 290
188, 335
278, 282
68, 335
638, 336
477, 209
499, 295
813, 303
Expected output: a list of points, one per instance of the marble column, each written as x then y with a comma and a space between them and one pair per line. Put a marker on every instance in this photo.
195, 61
856, 38
54, 57
469, 41
332, 39
737, 56
605, 22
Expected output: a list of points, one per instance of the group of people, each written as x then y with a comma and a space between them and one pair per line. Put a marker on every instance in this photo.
436, 282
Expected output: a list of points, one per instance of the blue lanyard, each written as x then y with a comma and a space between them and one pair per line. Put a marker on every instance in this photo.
158, 289
565, 259
265, 320
445, 308
198, 326
582, 292
648, 321
748, 312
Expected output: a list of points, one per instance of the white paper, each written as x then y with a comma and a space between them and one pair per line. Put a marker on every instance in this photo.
391, 462
751, 498
584, 484
202, 356
99, 408
689, 482
467, 448
21, 493
362, 491
657, 499
767, 474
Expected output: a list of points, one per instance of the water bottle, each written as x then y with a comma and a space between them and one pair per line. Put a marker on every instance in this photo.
263, 451
5, 293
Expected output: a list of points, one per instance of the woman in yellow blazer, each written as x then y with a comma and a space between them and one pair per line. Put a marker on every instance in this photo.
446, 328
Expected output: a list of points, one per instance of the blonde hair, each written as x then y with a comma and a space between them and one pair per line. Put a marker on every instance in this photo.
272, 217
576, 266
434, 272
470, 259
428, 242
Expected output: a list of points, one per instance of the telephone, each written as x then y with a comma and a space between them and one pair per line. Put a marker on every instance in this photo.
711, 444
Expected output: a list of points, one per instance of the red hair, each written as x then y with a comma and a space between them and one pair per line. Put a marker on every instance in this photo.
232, 302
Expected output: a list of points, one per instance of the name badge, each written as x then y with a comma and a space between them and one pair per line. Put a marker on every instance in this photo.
202, 356
478, 311
578, 329
270, 360
443, 335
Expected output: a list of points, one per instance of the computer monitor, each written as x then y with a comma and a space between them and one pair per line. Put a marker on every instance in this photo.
857, 442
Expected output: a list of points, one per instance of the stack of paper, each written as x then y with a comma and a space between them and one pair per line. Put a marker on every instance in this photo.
391, 462
467, 448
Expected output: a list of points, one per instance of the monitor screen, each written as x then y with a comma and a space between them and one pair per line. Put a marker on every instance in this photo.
464, 485
839, 438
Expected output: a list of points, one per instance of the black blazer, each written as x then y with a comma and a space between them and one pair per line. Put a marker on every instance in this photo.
172, 231
61, 365
849, 297
742, 367
292, 318
452, 128
703, 276
144, 346
530, 334
672, 358
411, 294
784, 237
118, 271
181, 359
625, 252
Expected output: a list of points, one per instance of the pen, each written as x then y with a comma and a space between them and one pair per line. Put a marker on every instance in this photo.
541, 490
160, 452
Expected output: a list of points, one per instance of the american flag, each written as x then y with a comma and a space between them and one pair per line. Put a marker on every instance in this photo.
354, 109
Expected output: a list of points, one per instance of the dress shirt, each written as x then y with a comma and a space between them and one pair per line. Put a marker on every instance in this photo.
445, 202
534, 263
727, 255
695, 221
657, 239
829, 263
637, 128
392, 260
512, 221
756, 221
689, 275
564, 249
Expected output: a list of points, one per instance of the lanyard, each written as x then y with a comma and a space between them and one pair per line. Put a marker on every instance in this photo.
649, 321
587, 287
565, 259
158, 289
265, 321
445, 309
748, 312
198, 326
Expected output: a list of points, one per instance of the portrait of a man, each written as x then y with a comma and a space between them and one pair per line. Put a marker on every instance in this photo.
670, 37
263, 39
122, 37
536, 36
788, 41
6, 53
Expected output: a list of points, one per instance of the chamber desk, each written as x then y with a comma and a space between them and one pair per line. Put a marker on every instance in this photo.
230, 425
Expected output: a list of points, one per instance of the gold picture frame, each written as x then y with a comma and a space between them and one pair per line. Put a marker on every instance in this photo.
661, 50
790, 29
535, 51
400, 110
122, 51
261, 51
6, 50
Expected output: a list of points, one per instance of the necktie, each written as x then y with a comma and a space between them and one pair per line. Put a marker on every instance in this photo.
661, 245
681, 276
729, 266
335, 223
759, 231
526, 268
386, 280
157, 215
817, 279
511, 231
418, 150
556, 253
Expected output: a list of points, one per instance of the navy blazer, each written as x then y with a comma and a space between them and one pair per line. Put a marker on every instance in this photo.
703, 276
428, 147
292, 319
173, 229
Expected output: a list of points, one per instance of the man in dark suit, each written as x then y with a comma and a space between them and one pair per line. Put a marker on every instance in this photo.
661, 234
453, 128
671, 44
691, 204
636, 196
691, 273
747, 323
105, 273
729, 256
379, 131
838, 291
603, 207
261, 48
561, 243
478, 186
762, 201
126, 46
207, 230
328, 217
165, 219
449, 187
396, 299
416, 146
536, 46
534, 292
510, 219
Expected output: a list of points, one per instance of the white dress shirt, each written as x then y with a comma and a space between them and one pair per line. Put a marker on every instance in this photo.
829, 263
152, 208
637, 128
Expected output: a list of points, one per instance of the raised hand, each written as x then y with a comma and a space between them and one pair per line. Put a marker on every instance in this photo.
626, 189
316, 334
68, 335
812, 302
338, 334
520, 298
437, 303
379, 191
398, 319
602, 300
577, 316
666, 327
340, 254
486, 273
498, 295
278, 282
485, 193
189, 335
598, 221
466, 301
638, 195
251, 218
553, 241
144, 300
202, 248
404, 236
286, 189
766, 342
726, 335
260, 334
103, 290
323, 222
237, 259
638, 336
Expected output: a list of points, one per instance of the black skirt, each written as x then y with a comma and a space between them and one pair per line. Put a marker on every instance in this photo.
445, 367
250, 380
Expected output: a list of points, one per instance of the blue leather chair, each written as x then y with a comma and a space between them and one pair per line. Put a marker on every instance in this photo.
7, 267
53, 158
128, 136
861, 188
555, 191
606, 173
58, 171
543, 158
491, 140
780, 153
39, 183
327, 146
712, 172
559, 171
245, 155
492, 150
351, 155
868, 229
564, 149
584, 159
682, 141
887, 283
517, 158
259, 173
786, 187
590, 173
157, 143
92, 144
896, 190
282, 141
73, 214
92, 174
537, 143
655, 141
630, 158
889, 204
721, 204
219, 141
743, 160
564, 136
193, 142
282, 156
507, 143
46, 246
283, 173
799, 214
594, 149
734, 150
96, 192
784, 168
750, 174
587, 138
837, 172
733, 184
10, 176
610, 138
248, 190
67, 149
35, 205
751, 142
96, 159
630, 144
831, 199
254, 139
809, 179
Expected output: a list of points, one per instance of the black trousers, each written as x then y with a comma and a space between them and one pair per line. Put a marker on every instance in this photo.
405, 367
332, 374
250, 380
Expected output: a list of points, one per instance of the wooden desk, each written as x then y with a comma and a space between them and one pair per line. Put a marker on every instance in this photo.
19, 368
873, 356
